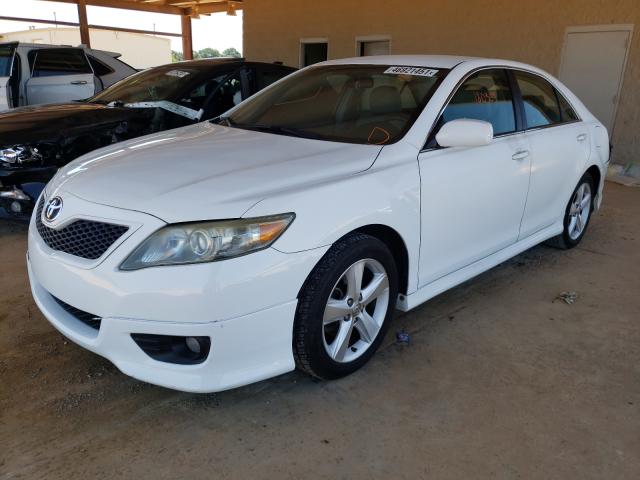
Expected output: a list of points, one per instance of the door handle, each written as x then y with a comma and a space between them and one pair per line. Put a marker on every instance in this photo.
79, 82
582, 137
520, 155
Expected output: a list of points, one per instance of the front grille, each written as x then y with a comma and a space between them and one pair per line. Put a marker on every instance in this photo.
82, 238
87, 318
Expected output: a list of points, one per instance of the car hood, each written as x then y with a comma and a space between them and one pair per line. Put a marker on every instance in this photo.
39, 123
206, 171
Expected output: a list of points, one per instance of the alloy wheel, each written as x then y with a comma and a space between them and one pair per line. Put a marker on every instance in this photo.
579, 211
355, 310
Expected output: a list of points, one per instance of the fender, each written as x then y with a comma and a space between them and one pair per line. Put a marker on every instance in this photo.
387, 194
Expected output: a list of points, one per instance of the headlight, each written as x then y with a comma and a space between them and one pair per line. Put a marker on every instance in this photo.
18, 155
207, 241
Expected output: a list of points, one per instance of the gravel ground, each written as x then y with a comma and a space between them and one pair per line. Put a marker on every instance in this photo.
502, 379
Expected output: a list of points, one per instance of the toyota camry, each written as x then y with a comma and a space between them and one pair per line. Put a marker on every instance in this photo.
286, 232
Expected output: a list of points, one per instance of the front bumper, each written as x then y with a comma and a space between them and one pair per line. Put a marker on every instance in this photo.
244, 350
246, 306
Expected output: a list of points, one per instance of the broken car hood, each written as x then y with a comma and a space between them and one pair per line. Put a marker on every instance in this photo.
206, 171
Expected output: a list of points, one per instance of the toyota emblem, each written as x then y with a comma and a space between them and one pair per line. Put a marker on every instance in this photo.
53, 209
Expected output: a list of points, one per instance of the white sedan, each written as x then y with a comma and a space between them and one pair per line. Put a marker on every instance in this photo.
286, 232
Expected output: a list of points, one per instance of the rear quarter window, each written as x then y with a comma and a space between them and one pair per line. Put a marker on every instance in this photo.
567, 112
99, 68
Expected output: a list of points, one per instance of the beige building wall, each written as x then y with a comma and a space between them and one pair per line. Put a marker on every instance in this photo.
530, 31
138, 50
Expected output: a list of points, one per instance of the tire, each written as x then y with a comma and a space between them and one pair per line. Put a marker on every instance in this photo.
577, 215
325, 317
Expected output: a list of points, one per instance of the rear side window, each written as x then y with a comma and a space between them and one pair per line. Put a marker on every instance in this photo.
99, 68
486, 96
541, 107
52, 62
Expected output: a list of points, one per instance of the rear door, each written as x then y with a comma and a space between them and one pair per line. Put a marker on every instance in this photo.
59, 75
560, 146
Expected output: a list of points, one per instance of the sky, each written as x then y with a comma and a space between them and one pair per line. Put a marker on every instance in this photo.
218, 30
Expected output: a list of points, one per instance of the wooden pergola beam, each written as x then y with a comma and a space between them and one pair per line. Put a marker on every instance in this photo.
187, 9
173, 7
187, 37
143, 7
83, 23
91, 27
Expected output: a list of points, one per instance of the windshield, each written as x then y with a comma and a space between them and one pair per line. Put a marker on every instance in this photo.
184, 85
367, 104
6, 56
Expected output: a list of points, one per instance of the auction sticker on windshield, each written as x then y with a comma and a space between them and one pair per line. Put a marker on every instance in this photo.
418, 71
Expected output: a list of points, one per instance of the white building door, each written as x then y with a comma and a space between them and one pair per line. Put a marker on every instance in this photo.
593, 64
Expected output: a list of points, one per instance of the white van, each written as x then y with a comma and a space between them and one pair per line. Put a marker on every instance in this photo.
33, 74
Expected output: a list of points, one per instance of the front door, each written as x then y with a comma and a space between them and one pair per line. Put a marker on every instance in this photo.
473, 199
59, 75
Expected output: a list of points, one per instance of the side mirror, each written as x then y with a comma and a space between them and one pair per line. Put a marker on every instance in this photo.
465, 133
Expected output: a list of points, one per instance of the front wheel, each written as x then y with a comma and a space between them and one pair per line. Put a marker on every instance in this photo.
577, 215
345, 307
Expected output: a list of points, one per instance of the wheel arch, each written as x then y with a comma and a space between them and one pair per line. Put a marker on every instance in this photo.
596, 174
397, 246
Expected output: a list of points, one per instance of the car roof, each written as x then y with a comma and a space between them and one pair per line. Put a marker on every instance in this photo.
435, 61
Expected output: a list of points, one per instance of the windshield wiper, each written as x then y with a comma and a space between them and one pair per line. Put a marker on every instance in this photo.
223, 120
110, 103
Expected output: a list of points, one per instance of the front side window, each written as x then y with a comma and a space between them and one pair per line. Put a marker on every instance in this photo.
53, 62
221, 94
367, 104
541, 107
485, 96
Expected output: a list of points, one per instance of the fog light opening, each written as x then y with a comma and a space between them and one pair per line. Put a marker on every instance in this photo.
16, 207
174, 349
193, 345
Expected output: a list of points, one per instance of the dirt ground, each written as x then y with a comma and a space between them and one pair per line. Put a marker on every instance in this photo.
499, 381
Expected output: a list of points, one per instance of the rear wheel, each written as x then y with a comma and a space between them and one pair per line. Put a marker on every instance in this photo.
577, 215
345, 307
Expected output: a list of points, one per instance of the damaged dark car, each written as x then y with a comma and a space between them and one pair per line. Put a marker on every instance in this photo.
37, 140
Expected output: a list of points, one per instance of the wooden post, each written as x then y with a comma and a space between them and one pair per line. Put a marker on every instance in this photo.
187, 41
84, 24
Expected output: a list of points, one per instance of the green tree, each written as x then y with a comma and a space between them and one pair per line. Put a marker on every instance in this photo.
208, 53
176, 56
231, 52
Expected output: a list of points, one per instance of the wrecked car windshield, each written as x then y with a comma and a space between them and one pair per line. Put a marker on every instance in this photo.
367, 104
188, 86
